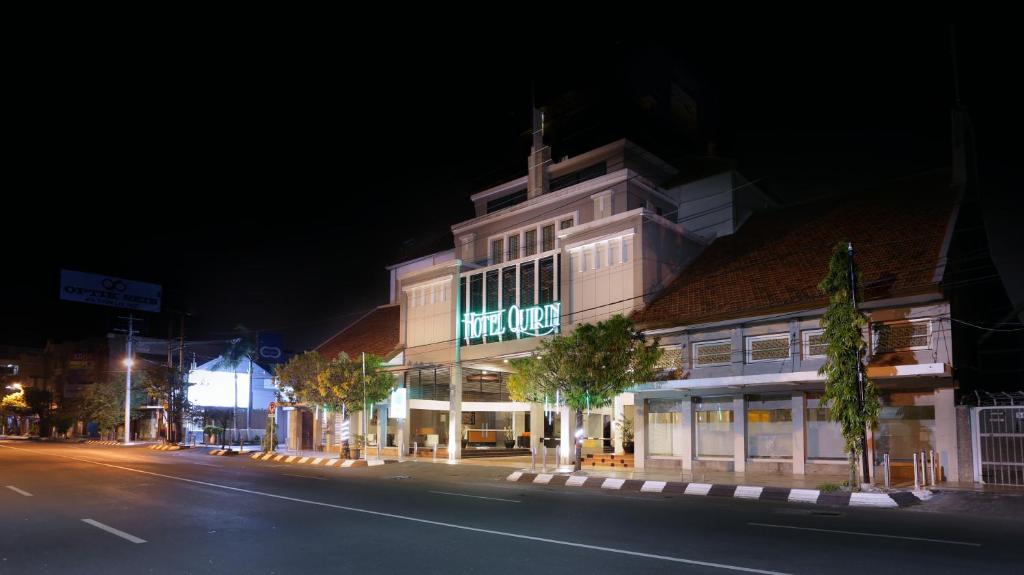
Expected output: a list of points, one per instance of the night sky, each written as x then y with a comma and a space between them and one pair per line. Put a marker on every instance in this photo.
268, 187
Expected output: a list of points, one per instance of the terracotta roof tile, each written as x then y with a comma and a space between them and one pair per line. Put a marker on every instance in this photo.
774, 262
375, 332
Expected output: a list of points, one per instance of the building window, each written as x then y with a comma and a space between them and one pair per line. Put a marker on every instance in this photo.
904, 426
664, 417
508, 286
712, 353
548, 238
530, 242
769, 427
670, 364
497, 250
901, 336
546, 287
513, 247
476, 297
503, 202
565, 224
773, 347
626, 245
814, 345
824, 438
713, 417
526, 282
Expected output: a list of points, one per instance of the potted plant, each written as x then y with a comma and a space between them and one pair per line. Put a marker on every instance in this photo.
510, 438
626, 427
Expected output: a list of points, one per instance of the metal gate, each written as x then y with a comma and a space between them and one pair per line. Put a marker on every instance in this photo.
998, 434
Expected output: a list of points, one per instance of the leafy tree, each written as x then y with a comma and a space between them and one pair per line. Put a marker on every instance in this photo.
845, 348
103, 404
344, 386
342, 383
586, 369
169, 386
39, 402
299, 378
216, 420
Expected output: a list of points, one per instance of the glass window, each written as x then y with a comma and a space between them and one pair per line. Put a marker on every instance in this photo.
613, 252
664, 417
903, 428
546, 279
814, 343
476, 298
497, 250
526, 281
626, 246
492, 290
710, 353
530, 242
901, 336
508, 286
714, 426
513, 247
768, 348
824, 438
770, 426
548, 238
565, 224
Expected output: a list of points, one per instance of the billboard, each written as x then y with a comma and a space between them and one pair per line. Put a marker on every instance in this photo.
109, 291
270, 348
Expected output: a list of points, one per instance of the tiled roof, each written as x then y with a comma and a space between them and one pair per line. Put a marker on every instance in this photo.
775, 261
375, 332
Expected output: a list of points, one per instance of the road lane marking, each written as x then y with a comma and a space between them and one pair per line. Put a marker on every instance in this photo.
117, 532
422, 521
906, 537
21, 491
474, 496
305, 476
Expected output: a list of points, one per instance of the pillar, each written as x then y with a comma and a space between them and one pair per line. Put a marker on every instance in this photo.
739, 417
799, 407
455, 413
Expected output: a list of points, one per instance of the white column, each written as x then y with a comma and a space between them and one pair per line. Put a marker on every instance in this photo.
639, 432
455, 413
739, 415
799, 406
618, 414
945, 434
536, 426
568, 430
687, 434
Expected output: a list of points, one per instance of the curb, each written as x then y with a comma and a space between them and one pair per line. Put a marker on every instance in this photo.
785, 494
223, 452
102, 442
321, 461
168, 447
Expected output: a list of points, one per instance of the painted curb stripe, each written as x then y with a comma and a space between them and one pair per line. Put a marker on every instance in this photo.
747, 492
303, 460
514, 476
575, 480
652, 486
872, 500
543, 478
698, 489
803, 495
611, 483
316, 461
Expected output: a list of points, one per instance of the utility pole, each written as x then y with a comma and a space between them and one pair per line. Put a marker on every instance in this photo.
248, 410
128, 381
860, 367
366, 442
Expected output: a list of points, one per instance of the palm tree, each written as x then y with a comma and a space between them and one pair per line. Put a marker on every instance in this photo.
235, 353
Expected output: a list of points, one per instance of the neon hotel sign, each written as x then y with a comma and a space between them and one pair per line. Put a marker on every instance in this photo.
520, 322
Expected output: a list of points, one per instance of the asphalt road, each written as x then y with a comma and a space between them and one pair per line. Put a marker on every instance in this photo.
68, 509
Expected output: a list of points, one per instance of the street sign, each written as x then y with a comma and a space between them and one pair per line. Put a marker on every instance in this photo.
109, 291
